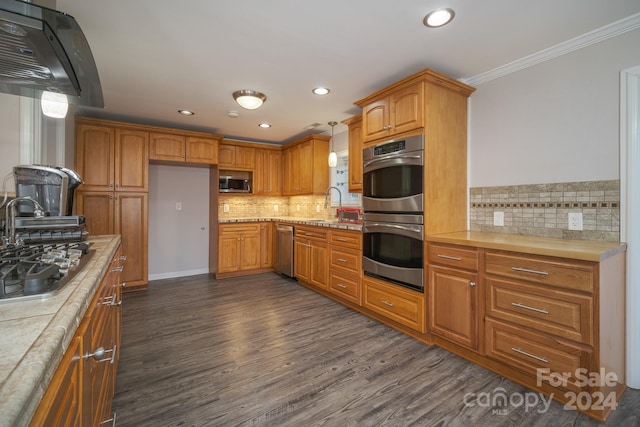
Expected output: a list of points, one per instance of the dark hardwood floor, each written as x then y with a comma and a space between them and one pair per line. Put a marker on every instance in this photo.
265, 351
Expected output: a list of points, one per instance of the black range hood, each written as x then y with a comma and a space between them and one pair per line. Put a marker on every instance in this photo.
42, 49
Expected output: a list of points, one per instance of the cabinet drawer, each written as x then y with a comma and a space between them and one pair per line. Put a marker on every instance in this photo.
395, 303
550, 271
561, 313
226, 229
346, 258
453, 256
347, 286
318, 233
528, 352
347, 239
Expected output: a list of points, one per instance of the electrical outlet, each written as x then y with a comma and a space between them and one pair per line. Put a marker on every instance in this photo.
297, 208
317, 208
575, 221
178, 206
498, 219
225, 207
275, 207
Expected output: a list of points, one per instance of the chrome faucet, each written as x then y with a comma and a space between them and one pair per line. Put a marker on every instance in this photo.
326, 197
10, 217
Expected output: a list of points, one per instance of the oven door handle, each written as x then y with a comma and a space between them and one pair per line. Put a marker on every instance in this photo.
412, 231
393, 160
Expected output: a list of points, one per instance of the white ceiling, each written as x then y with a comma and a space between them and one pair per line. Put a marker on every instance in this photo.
157, 56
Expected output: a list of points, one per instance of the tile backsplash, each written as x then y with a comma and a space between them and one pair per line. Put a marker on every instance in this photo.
264, 207
543, 209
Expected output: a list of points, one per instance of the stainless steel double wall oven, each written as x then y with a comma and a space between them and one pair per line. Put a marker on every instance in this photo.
393, 202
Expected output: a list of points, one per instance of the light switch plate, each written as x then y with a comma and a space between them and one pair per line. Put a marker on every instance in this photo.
498, 219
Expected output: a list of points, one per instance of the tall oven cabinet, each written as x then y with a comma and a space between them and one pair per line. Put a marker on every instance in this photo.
113, 162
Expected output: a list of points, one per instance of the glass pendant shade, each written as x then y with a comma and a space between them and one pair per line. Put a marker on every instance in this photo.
333, 157
54, 104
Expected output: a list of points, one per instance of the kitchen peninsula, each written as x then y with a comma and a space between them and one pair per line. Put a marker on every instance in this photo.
37, 334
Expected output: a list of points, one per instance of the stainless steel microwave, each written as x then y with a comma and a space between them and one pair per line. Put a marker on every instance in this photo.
231, 184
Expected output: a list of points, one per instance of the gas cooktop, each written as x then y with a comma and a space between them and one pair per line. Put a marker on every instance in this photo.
39, 271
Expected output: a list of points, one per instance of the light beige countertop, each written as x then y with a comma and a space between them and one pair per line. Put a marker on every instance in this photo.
36, 334
331, 223
586, 250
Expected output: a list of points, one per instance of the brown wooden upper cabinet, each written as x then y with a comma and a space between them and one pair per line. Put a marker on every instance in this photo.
398, 112
305, 169
355, 153
110, 158
172, 147
231, 156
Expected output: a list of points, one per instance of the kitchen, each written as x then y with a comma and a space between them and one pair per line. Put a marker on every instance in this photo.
499, 117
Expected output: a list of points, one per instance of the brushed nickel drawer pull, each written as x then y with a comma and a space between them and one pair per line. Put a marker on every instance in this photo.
340, 239
340, 285
526, 307
454, 258
117, 269
341, 260
533, 356
387, 303
526, 270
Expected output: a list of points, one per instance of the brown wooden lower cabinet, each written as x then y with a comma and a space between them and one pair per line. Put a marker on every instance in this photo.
81, 390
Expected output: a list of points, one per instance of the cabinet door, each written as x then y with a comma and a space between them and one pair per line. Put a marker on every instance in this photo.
228, 253
266, 245
355, 156
95, 157
288, 185
301, 260
131, 222
249, 251
406, 109
61, 404
304, 176
375, 120
245, 157
98, 208
266, 176
226, 155
453, 305
167, 147
202, 150
318, 265
132, 160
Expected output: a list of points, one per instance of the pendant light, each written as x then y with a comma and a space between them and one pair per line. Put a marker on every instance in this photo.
333, 157
54, 104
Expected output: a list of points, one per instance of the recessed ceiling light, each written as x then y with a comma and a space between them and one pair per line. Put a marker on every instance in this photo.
264, 125
321, 90
186, 112
438, 18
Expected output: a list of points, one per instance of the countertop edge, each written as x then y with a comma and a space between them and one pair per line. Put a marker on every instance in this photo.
585, 250
23, 389
296, 220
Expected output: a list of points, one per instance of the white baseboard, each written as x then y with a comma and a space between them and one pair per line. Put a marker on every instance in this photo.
174, 274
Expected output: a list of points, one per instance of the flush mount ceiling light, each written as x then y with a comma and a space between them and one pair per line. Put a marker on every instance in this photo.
54, 104
333, 157
264, 125
438, 18
249, 99
321, 90
186, 112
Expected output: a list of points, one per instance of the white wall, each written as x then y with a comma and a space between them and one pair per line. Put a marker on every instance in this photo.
557, 121
177, 244
9, 137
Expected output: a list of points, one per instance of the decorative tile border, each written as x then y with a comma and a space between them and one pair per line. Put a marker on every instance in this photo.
542, 209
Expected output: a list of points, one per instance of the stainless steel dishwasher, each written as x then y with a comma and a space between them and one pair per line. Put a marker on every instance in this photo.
284, 250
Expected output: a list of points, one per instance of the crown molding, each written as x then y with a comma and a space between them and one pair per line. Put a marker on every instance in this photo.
596, 36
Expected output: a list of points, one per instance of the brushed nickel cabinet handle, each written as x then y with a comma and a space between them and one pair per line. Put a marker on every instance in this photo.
454, 258
526, 270
117, 269
387, 303
341, 260
472, 284
340, 285
526, 307
533, 356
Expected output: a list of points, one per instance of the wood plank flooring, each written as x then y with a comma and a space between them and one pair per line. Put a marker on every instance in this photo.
265, 351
